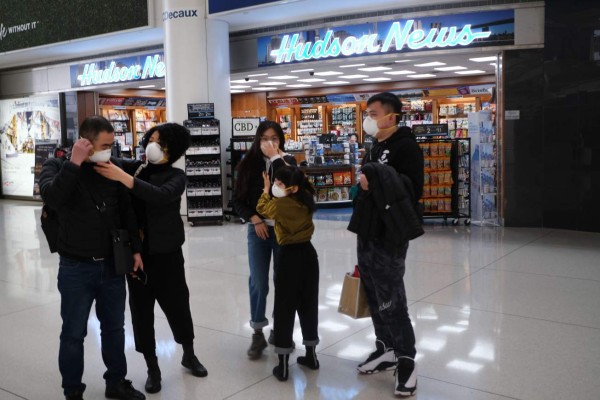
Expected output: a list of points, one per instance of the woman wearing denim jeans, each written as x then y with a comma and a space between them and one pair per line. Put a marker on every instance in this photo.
266, 154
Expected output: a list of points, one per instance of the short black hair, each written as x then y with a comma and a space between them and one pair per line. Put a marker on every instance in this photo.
174, 137
389, 101
91, 127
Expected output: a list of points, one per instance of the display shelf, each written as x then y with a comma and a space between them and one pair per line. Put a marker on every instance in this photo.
204, 191
446, 190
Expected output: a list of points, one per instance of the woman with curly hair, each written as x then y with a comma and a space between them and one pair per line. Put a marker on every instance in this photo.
156, 188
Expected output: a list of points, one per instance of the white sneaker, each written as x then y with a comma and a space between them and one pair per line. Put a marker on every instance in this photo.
406, 377
382, 359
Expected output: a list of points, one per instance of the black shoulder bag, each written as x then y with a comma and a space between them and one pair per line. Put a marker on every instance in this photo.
50, 227
121, 240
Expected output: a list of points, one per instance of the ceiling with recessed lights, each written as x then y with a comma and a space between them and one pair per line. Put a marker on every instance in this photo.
371, 69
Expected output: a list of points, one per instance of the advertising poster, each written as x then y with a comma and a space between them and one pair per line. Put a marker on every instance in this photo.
23, 122
43, 151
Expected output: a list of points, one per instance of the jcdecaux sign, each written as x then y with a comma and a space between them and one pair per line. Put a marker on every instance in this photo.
130, 69
416, 34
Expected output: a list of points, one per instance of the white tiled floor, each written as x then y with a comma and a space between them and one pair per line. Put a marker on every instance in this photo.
498, 314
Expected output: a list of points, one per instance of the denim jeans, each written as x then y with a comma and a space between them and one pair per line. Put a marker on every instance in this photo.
80, 283
259, 256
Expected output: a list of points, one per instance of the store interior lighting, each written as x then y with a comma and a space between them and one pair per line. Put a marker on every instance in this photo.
272, 83
283, 77
419, 76
431, 64
146, 86
337, 83
483, 59
402, 72
354, 76
302, 70
311, 80
253, 75
328, 73
352, 65
374, 69
381, 79
470, 72
455, 68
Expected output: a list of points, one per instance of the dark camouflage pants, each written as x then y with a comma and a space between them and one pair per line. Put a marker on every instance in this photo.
382, 274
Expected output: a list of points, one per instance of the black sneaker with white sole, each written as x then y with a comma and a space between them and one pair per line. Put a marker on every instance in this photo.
406, 377
382, 359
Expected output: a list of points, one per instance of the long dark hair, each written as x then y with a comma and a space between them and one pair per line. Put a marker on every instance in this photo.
290, 175
253, 160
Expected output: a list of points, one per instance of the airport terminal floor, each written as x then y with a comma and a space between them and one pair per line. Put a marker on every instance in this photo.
499, 313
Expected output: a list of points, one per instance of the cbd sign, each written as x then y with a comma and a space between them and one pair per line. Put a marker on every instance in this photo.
245, 126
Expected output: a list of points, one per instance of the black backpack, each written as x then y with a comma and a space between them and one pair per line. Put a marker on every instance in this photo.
49, 218
50, 225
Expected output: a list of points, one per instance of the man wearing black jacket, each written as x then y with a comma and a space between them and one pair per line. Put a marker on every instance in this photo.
381, 267
88, 207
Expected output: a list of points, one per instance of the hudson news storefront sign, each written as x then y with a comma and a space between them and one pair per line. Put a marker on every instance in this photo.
109, 72
477, 29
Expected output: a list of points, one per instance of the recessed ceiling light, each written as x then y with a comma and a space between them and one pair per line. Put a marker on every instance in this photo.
162, 88
456, 68
283, 77
239, 86
494, 64
421, 76
377, 79
328, 73
258, 75
237, 91
336, 83
351, 65
483, 59
311, 80
264, 88
243, 81
303, 70
299, 85
402, 61
403, 72
146, 86
373, 69
354, 76
431, 64
272, 83
470, 72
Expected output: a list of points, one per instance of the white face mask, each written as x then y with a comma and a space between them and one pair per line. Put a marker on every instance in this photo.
278, 192
370, 126
101, 156
154, 153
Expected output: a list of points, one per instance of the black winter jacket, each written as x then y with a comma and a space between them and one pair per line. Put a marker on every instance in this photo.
401, 152
386, 212
246, 207
157, 199
83, 231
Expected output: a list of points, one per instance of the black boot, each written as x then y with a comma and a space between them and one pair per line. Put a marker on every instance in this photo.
310, 360
191, 362
281, 371
154, 376
123, 390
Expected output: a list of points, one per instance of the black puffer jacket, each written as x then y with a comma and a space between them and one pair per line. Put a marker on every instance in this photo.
83, 231
387, 212
401, 152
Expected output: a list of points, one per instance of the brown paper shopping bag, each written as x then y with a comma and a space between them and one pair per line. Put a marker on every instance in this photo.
353, 301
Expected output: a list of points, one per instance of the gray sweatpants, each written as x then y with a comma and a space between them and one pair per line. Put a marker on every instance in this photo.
382, 274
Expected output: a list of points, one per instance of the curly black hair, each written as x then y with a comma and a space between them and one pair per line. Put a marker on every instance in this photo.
174, 137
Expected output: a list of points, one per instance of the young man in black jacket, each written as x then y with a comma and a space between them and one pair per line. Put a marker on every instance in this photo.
88, 207
381, 268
